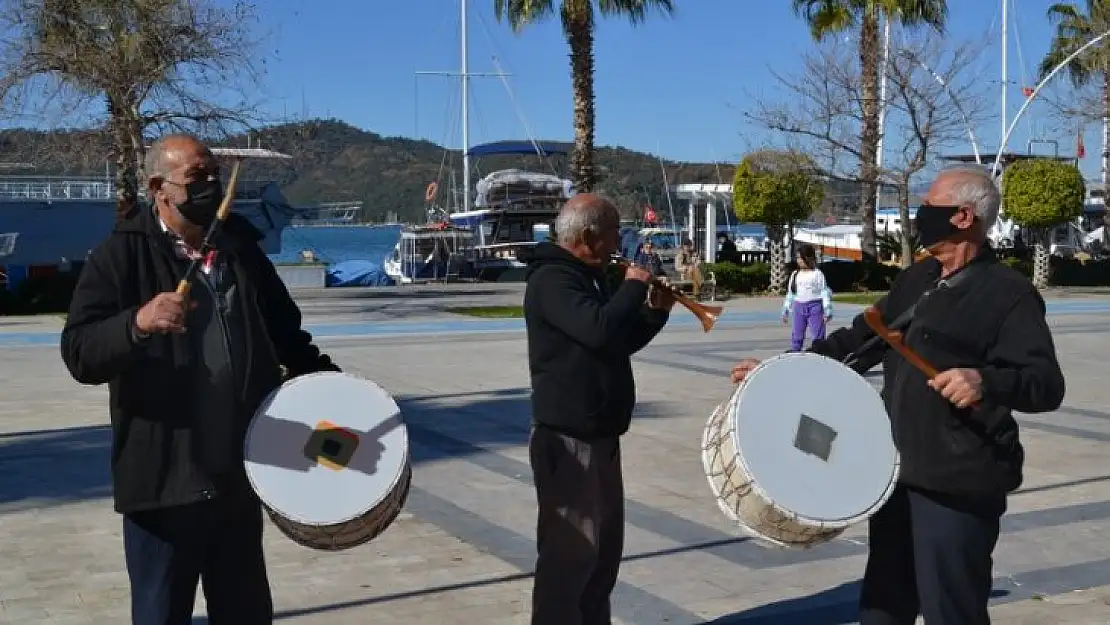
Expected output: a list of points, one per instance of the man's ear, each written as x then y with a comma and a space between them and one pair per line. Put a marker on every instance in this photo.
965, 219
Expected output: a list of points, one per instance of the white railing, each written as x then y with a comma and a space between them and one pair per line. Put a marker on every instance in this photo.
56, 189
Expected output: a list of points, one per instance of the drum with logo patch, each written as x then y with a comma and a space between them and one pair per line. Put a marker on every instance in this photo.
801, 451
328, 455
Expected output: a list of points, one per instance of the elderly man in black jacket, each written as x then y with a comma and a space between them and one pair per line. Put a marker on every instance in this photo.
185, 376
983, 326
581, 336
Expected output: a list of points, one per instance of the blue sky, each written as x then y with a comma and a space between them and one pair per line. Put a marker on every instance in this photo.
672, 86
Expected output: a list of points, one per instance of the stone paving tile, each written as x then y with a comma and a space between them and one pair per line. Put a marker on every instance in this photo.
67, 565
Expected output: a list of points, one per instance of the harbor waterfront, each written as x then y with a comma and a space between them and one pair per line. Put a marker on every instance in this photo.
462, 550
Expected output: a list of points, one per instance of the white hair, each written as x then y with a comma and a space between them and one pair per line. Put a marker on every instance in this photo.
574, 221
976, 187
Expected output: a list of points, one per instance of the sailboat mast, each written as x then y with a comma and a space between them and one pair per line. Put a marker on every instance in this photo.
1005, 73
464, 77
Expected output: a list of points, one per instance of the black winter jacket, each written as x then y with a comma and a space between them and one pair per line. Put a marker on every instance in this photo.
156, 414
580, 340
993, 322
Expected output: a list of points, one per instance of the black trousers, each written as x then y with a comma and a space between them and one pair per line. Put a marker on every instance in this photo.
217, 542
580, 528
931, 554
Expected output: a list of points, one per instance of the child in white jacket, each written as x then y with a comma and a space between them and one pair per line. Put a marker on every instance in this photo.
808, 297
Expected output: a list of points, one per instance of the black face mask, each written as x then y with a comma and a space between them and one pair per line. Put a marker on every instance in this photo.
202, 201
934, 225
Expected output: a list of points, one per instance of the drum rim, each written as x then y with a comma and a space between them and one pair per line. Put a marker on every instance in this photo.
394, 482
867, 513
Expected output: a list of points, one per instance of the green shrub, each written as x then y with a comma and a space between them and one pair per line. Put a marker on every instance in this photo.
735, 278
842, 277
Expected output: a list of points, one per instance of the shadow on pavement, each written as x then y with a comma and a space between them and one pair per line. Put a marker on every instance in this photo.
834, 606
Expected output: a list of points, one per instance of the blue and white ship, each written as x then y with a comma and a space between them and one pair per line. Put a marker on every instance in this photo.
514, 209
51, 224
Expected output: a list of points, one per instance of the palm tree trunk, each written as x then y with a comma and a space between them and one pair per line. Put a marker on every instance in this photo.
1042, 262
869, 136
777, 252
579, 30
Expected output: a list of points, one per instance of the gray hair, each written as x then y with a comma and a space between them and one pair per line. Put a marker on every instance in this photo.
154, 163
976, 187
577, 219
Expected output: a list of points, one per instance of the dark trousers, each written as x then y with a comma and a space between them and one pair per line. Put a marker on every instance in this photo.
216, 542
580, 528
931, 554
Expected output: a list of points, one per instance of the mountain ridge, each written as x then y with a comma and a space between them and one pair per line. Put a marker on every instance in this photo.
334, 161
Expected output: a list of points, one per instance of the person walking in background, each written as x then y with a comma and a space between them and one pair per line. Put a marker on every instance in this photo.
808, 297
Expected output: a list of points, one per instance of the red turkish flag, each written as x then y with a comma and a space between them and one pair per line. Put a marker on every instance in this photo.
1080, 149
649, 215
1027, 91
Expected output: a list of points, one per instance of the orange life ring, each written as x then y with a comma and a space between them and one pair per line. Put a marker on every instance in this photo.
430, 193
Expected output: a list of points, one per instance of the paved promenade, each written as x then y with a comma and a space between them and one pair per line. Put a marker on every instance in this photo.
463, 549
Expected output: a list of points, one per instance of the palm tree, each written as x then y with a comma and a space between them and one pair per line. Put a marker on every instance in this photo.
830, 17
578, 26
1073, 29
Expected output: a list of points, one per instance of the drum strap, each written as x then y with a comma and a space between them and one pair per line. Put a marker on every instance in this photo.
902, 321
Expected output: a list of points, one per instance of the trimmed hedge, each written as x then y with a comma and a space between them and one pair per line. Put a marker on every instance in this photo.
1067, 271
51, 294
842, 277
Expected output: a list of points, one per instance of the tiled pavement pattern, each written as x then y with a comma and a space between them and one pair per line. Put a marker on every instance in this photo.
462, 550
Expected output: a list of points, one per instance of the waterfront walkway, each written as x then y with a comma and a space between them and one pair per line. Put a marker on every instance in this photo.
462, 550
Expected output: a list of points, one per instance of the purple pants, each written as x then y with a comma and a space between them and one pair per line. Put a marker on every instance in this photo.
811, 315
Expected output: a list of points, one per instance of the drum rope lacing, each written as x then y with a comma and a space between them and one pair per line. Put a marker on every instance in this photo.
738, 498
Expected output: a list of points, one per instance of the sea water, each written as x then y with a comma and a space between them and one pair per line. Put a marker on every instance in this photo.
337, 244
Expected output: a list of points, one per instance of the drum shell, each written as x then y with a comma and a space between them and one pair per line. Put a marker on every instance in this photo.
352, 533
744, 501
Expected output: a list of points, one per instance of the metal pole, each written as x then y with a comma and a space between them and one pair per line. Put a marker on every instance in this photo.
465, 113
1005, 72
882, 109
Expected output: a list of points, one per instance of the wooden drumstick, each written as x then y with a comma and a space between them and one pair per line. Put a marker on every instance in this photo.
222, 212
893, 338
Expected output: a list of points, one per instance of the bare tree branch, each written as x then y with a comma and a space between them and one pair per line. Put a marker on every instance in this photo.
138, 66
932, 98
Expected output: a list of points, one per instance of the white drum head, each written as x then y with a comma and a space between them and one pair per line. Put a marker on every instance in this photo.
815, 438
326, 448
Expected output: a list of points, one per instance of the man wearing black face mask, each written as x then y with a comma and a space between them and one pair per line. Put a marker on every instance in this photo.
180, 400
983, 326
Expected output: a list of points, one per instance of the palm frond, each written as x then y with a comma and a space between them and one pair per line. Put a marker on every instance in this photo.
636, 11
521, 13
912, 13
1073, 30
827, 17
